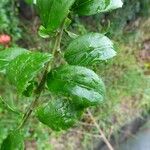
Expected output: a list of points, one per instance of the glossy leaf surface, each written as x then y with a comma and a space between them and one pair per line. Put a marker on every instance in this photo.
53, 12
91, 7
6, 56
59, 114
89, 49
82, 84
25, 67
14, 141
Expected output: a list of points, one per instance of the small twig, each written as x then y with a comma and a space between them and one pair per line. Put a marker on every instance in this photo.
110, 133
100, 131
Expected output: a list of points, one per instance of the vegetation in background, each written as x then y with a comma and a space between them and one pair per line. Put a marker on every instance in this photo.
72, 85
127, 87
131, 11
114, 23
9, 21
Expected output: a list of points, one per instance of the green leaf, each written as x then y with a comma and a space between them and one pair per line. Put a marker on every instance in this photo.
71, 34
29, 90
59, 114
91, 7
80, 83
14, 141
67, 23
30, 1
89, 49
8, 107
43, 32
25, 68
6, 56
53, 12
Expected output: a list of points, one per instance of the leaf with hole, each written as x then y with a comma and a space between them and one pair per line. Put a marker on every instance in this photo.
89, 49
80, 83
6, 56
25, 68
91, 7
59, 114
53, 12
14, 141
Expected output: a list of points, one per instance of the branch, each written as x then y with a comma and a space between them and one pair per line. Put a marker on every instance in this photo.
100, 131
41, 85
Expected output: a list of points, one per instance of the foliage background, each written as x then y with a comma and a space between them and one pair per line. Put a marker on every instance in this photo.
9, 22
126, 76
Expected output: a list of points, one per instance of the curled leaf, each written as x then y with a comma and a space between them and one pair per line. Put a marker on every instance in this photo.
53, 12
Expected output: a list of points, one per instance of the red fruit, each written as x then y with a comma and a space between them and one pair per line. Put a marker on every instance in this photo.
4, 39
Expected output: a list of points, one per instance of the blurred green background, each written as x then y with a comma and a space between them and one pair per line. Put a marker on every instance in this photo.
127, 76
